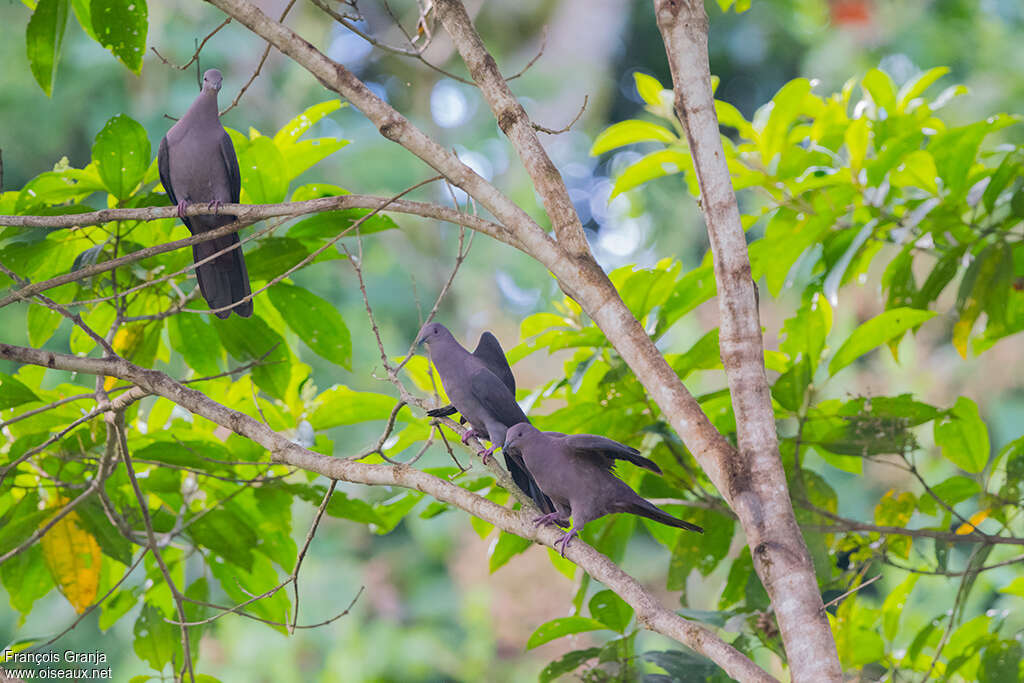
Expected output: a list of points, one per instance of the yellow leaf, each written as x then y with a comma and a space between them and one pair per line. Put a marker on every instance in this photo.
961, 332
972, 524
126, 341
73, 558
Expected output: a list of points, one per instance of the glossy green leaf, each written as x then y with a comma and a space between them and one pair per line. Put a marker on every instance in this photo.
917, 85
307, 153
315, 321
895, 604
121, 152
963, 436
197, 341
277, 255
504, 548
13, 392
340, 405
630, 132
44, 38
611, 610
882, 90
654, 165
564, 626
26, 579
300, 124
264, 172
330, 224
875, 332
252, 339
566, 663
954, 490
121, 27
682, 665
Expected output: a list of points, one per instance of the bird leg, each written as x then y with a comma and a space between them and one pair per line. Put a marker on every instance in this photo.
182, 205
564, 540
470, 434
486, 455
215, 205
545, 519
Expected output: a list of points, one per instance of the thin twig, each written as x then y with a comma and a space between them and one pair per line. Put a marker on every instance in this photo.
305, 547
195, 55
259, 67
565, 129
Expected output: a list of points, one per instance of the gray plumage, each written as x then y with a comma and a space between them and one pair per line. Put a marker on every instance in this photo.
197, 163
575, 471
481, 388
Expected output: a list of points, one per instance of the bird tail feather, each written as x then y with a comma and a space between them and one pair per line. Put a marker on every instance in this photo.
645, 509
224, 280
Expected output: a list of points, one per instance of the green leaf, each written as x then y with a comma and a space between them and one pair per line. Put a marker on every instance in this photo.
116, 606
954, 490
93, 520
121, 152
155, 639
895, 604
14, 393
504, 548
249, 339
630, 132
1007, 171
315, 321
915, 86
682, 665
26, 579
895, 509
702, 552
84, 16
264, 171
44, 38
611, 610
227, 535
882, 90
963, 436
121, 27
564, 626
568, 662
197, 342
329, 224
340, 405
306, 153
276, 255
917, 170
787, 105
293, 130
654, 165
1001, 661
875, 332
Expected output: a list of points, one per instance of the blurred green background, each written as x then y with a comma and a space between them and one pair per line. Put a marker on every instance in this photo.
430, 611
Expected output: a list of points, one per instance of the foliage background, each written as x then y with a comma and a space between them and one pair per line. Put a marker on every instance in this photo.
430, 609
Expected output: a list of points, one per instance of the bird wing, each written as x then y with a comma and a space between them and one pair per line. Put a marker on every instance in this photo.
227, 153
494, 396
606, 451
163, 165
490, 352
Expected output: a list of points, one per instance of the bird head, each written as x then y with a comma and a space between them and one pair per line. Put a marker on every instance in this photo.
432, 332
212, 80
516, 434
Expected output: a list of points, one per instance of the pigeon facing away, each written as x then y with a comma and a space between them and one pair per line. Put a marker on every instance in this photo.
481, 387
488, 350
197, 163
576, 472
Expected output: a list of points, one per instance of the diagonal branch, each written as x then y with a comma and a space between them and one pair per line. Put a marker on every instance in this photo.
649, 613
515, 123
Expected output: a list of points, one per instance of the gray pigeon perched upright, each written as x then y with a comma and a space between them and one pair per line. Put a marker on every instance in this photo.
197, 163
488, 350
576, 472
482, 389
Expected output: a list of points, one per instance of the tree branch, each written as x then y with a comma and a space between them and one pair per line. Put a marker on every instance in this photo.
757, 481
283, 451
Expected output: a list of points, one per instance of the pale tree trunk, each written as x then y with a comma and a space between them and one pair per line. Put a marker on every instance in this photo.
780, 554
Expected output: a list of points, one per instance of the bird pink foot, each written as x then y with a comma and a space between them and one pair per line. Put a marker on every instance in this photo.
486, 455
549, 518
182, 205
470, 434
215, 205
564, 540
